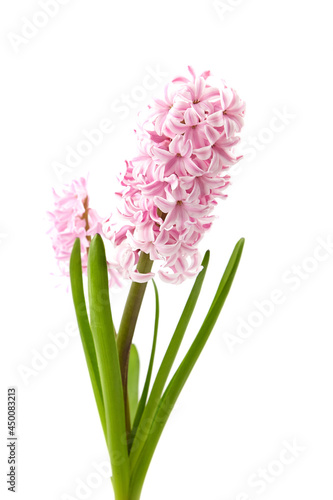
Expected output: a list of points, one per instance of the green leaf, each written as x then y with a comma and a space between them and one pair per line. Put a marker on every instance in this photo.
166, 365
144, 395
176, 384
133, 381
75, 268
108, 363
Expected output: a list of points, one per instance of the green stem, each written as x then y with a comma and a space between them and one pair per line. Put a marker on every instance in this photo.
127, 327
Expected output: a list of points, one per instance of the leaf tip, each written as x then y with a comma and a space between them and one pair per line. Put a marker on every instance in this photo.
75, 254
241, 243
206, 258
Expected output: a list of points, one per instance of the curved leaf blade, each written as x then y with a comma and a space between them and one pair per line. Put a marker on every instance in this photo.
108, 363
75, 268
167, 363
133, 381
145, 390
179, 379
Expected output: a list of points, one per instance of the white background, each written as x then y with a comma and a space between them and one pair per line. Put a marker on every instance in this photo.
240, 405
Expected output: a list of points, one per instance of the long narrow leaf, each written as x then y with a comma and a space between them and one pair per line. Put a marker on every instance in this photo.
133, 381
84, 329
145, 390
166, 365
108, 363
176, 384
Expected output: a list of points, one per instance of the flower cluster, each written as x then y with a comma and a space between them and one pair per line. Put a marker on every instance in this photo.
72, 218
168, 192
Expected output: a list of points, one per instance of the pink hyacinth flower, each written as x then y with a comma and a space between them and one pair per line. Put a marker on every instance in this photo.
72, 218
169, 190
